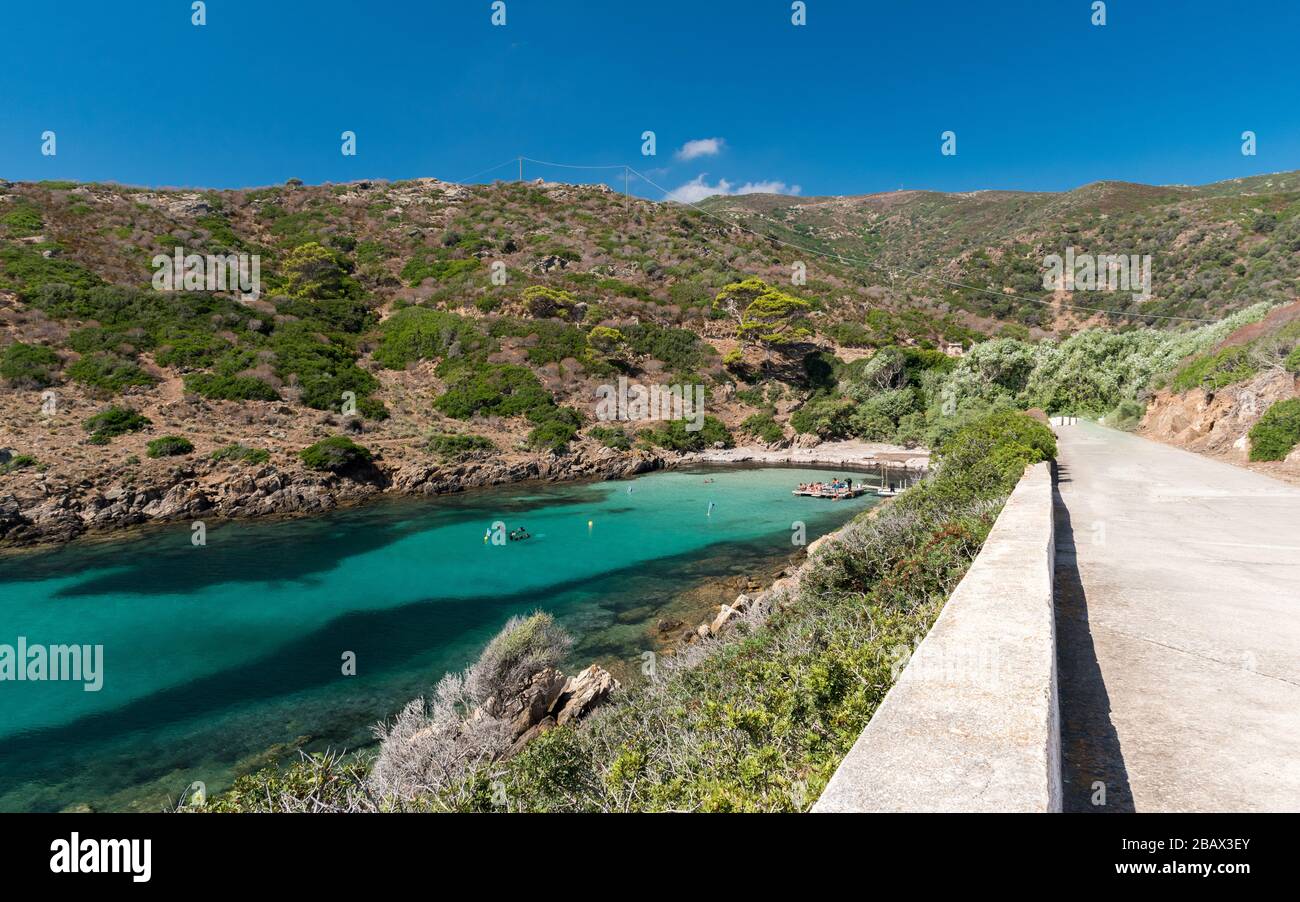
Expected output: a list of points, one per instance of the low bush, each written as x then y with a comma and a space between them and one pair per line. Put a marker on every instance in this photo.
610, 437
763, 427
553, 427
1127, 415
418, 333
335, 454
29, 366
1292, 361
108, 372
242, 454
1277, 432
170, 446
1214, 371
501, 389
230, 388
112, 422
454, 445
673, 435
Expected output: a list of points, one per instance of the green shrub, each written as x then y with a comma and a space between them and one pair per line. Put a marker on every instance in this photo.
29, 366
242, 454
422, 267
824, 415
418, 333
681, 350
23, 219
1292, 362
1277, 432
543, 302
554, 427
108, 372
763, 427
313, 272
230, 388
112, 422
324, 367
17, 462
1214, 371
1127, 415
169, 446
24, 270
501, 389
455, 445
610, 437
335, 454
673, 435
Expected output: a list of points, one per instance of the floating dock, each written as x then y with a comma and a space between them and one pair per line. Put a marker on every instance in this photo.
833, 495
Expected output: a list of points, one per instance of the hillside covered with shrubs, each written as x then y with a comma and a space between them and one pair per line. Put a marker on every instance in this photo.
432, 324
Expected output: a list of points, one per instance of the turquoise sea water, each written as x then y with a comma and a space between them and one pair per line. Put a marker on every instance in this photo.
226, 657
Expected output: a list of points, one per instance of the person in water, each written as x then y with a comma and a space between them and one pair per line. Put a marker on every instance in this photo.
518, 534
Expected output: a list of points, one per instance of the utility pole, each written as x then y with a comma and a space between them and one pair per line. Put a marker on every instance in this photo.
521, 169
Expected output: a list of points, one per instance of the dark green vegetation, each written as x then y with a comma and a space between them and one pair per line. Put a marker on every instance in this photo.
242, 454
760, 720
1214, 248
29, 366
456, 445
1276, 344
335, 454
112, 422
170, 446
611, 437
673, 435
914, 396
1277, 432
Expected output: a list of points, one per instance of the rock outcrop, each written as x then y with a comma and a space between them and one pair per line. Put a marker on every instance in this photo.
1216, 423
548, 700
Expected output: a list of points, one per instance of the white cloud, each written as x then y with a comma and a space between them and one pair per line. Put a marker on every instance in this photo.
698, 188
701, 147
767, 188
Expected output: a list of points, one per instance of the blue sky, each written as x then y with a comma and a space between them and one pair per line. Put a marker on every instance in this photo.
853, 102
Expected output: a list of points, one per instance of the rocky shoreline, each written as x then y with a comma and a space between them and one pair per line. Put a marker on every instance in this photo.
54, 510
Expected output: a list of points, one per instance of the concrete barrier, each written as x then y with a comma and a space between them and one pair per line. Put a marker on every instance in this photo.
971, 723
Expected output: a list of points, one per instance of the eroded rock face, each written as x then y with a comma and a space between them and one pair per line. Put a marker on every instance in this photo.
583, 693
548, 700
1216, 422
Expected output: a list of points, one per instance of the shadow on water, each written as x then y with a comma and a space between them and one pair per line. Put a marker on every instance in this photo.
146, 566
1090, 748
391, 647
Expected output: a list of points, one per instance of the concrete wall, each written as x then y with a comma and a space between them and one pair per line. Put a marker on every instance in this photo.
972, 723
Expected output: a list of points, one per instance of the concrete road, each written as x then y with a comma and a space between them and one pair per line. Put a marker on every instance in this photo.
1178, 618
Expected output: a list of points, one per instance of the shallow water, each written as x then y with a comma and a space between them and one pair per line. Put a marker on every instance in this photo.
223, 658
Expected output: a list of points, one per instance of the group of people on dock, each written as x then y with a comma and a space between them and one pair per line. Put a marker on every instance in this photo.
837, 486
